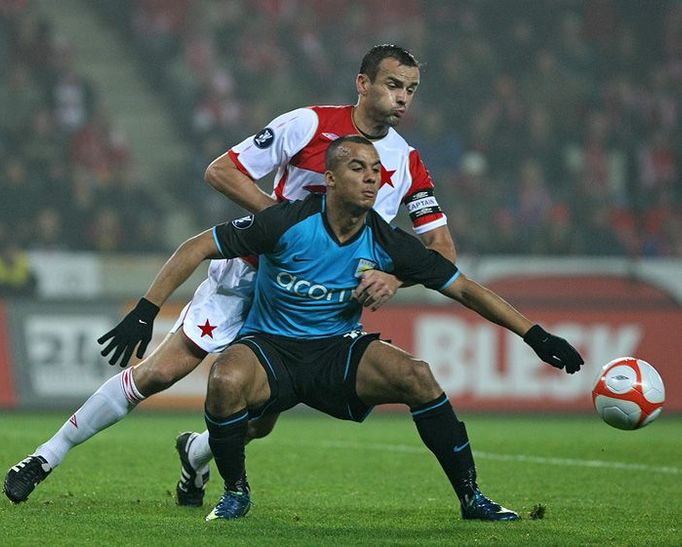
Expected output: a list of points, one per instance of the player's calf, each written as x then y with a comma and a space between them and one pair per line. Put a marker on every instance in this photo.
261, 427
445, 436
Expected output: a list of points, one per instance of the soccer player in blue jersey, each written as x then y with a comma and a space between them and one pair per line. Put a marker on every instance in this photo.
302, 341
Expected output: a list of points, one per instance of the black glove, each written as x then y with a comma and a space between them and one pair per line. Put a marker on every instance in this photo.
553, 350
136, 327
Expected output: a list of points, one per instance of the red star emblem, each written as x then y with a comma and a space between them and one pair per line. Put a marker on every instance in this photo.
207, 329
386, 176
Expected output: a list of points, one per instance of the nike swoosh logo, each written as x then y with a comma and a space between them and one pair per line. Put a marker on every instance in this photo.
460, 447
140, 321
297, 258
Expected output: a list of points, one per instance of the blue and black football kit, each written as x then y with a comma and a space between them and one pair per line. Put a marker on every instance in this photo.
304, 328
304, 325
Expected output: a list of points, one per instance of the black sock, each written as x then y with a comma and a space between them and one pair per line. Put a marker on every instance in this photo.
447, 438
226, 439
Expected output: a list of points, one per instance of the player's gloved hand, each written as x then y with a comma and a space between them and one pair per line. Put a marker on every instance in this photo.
135, 328
376, 288
553, 350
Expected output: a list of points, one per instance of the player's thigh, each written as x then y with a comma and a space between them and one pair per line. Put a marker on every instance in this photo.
174, 358
388, 374
237, 379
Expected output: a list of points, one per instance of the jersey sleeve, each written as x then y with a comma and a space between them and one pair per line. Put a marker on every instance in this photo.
411, 261
275, 144
259, 234
251, 235
421, 203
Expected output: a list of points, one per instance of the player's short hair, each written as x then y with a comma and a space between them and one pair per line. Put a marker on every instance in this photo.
332, 156
372, 59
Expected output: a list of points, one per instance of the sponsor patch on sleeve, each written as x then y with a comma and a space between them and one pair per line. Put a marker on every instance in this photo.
422, 203
264, 138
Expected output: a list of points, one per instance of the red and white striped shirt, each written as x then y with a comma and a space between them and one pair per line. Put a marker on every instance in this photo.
294, 144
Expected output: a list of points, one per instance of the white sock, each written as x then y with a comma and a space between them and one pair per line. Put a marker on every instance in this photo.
199, 452
111, 402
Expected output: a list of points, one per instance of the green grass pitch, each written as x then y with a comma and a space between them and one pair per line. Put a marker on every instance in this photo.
318, 481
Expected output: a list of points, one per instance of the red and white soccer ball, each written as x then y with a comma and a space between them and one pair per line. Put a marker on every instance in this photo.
628, 393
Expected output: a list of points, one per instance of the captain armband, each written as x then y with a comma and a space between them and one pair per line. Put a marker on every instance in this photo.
421, 204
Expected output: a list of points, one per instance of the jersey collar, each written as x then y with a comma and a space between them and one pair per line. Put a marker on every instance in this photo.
331, 233
366, 135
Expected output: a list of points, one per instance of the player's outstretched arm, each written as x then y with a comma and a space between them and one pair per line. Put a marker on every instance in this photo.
487, 304
135, 330
550, 348
182, 263
223, 175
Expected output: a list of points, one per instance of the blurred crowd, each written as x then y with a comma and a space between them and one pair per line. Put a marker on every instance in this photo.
65, 176
550, 128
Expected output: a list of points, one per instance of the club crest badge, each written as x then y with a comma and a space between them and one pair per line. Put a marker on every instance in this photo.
364, 264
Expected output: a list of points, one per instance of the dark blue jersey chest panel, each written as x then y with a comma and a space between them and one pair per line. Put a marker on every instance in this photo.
306, 278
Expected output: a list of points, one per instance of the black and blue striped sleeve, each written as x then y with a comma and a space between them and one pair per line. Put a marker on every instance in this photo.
250, 235
412, 261
258, 234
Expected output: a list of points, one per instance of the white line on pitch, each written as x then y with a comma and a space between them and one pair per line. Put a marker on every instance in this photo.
578, 463
500, 457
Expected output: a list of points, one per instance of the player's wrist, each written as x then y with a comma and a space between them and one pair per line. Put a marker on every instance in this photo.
535, 336
146, 310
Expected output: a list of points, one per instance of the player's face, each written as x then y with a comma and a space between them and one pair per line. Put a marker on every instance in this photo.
389, 96
356, 177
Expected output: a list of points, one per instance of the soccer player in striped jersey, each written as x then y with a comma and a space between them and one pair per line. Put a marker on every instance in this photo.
293, 146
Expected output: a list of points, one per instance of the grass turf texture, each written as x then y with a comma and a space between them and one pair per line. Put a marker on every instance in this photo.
317, 481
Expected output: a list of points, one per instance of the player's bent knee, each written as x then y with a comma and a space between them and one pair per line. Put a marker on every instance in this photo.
224, 395
226, 378
236, 380
170, 362
418, 383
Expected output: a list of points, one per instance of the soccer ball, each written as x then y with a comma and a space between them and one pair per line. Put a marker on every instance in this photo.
628, 393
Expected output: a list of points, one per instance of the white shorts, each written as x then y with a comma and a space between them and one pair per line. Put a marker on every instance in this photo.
219, 306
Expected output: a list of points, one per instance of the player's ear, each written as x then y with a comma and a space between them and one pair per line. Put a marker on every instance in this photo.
329, 179
362, 83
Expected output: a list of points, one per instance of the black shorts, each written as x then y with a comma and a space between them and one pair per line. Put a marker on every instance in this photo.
320, 373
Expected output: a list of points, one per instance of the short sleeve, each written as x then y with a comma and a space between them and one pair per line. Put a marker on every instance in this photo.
250, 235
275, 144
422, 205
412, 261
